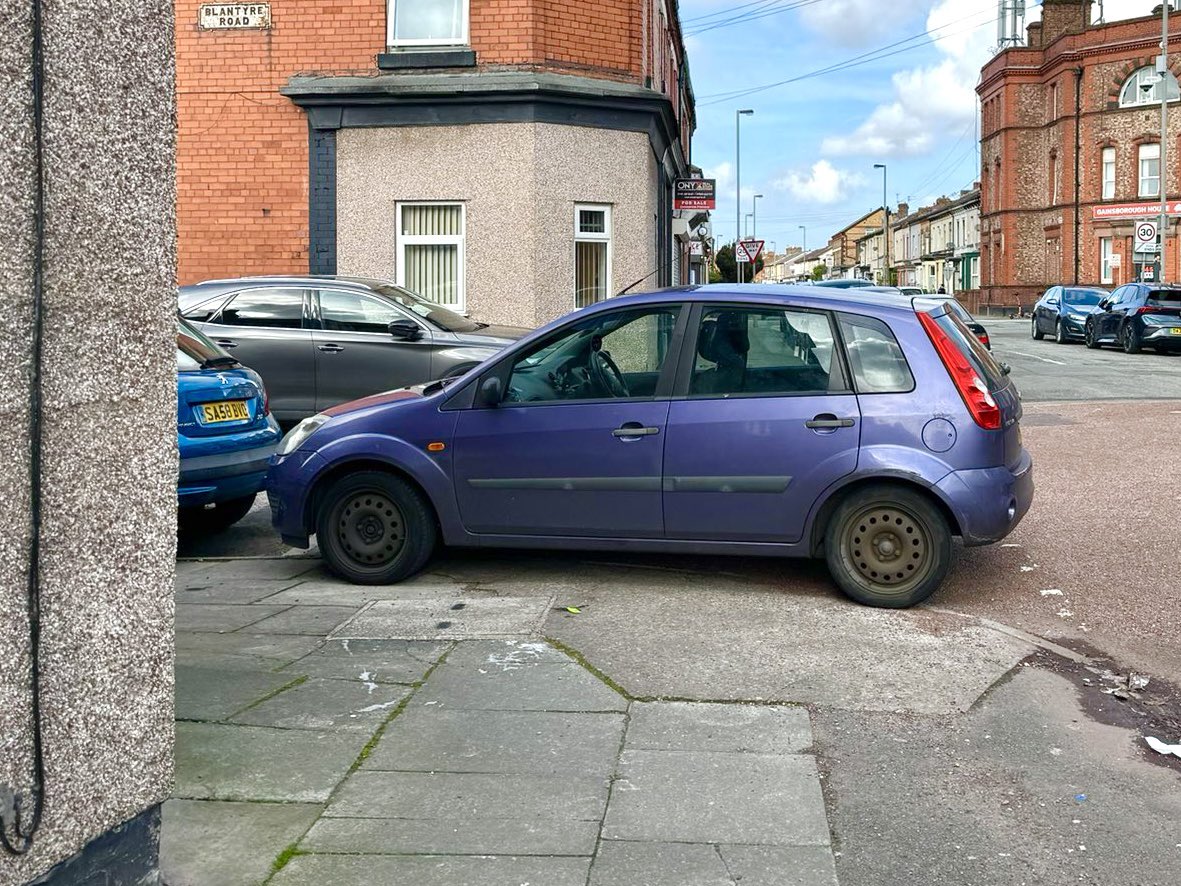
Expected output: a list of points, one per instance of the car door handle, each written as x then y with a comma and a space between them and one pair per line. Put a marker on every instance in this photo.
633, 429
330, 349
226, 343
828, 422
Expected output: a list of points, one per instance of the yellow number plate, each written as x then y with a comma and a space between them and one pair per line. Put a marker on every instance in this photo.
231, 410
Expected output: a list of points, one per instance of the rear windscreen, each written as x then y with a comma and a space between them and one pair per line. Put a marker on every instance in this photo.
1165, 298
194, 349
971, 347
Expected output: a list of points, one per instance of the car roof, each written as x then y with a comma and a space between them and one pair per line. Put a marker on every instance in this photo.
824, 298
195, 293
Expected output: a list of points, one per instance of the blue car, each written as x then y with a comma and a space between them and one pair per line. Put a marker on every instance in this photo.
225, 432
772, 420
1062, 312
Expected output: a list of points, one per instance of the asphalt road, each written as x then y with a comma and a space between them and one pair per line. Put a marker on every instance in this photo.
1046, 370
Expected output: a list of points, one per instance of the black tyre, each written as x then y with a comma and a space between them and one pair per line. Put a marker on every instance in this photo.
888, 546
218, 518
374, 528
1038, 335
1060, 333
1089, 337
1131, 339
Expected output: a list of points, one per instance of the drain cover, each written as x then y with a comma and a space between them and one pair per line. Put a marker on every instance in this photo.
467, 618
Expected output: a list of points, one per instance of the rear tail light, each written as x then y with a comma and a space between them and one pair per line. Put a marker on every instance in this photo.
1157, 309
967, 380
984, 338
266, 403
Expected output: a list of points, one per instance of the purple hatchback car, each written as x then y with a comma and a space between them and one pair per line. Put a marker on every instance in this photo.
764, 420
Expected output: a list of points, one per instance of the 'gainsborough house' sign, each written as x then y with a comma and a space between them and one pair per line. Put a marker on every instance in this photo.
224, 16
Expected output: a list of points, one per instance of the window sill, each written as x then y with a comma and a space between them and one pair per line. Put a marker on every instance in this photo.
410, 59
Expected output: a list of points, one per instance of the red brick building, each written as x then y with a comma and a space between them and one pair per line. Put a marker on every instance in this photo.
1070, 153
510, 158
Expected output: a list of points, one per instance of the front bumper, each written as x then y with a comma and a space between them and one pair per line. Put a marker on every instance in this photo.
989, 503
288, 483
1074, 328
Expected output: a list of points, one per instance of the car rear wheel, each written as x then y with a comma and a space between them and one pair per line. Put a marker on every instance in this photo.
1131, 339
374, 528
1038, 335
1089, 337
887, 546
218, 518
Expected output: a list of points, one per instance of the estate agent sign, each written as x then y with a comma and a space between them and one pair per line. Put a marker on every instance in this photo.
695, 193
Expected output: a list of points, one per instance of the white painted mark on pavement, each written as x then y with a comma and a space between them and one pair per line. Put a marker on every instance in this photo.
1036, 357
377, 707
1051, 592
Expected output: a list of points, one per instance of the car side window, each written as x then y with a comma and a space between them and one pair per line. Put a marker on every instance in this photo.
617, 355
268, 308
343, 311
764, 351
879, 366
203, 312
1052, 296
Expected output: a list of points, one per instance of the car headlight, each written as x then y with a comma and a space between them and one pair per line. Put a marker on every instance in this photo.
297, 435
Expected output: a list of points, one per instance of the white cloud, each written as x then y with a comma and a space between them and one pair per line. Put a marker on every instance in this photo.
855, 22
938, 100
823, 183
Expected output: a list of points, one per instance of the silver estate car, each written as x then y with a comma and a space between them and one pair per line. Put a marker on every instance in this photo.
319, 341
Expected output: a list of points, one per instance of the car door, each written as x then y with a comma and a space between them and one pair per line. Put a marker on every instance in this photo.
1101, 320
266, 328
356, 355
576, 445
764, 421
1047, 313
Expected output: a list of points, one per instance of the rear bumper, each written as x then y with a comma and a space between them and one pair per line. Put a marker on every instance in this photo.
227, 475
1161, 336
989, 503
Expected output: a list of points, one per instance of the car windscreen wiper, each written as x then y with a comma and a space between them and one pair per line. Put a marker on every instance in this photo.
219, 362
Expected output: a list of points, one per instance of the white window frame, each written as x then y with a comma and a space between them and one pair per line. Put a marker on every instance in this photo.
1140, 177
460, 240
1141, 97
461, 40
580, 237
1108, 177
1106, 250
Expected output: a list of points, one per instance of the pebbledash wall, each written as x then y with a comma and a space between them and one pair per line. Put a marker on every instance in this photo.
108, 454
298, 141
1033, 233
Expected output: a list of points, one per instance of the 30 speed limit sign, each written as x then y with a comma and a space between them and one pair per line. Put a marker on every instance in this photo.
1145, 234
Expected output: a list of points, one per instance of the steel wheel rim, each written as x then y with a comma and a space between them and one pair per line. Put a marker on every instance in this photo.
888, 548
369, 529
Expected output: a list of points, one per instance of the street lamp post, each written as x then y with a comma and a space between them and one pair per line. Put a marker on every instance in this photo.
754, 217
1162, 69
886, 227
738, 115
804, 228
746, 226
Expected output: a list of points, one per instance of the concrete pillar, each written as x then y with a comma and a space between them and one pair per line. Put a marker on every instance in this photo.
108, 475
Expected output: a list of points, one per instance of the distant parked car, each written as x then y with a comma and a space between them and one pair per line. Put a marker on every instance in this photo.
225, 432
912, 290
1136, 316
775, 420
928, 301
319, 341
1062, 312
844, 284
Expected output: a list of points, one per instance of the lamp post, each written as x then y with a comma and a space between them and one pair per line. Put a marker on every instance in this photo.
754, 216
886, 228
804, 228
746, 226
738, 115
1162, 69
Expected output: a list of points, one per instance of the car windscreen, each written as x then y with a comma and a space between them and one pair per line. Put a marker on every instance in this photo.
970, 346
1082, 297
1164, 298
195, 351
434, 314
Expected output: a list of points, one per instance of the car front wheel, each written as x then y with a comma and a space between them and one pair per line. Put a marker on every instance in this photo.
1038, 335
1089, 336
1060, 333
375, 528
888, 546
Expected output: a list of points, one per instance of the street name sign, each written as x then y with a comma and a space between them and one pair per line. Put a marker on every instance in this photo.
234, 16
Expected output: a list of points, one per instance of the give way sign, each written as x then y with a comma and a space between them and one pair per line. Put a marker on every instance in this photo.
749, 250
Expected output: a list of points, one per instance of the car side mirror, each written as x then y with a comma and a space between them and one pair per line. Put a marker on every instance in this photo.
490, 393
405, 330
1006, 368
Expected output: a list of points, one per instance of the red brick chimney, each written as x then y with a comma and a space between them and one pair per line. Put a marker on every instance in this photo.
1064, 17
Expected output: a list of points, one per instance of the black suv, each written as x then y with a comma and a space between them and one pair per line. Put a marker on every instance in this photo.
1137, 316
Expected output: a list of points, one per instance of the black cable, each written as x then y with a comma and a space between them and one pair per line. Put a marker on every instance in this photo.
23, 830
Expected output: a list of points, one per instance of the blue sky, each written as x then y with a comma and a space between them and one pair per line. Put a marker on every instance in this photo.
810, 146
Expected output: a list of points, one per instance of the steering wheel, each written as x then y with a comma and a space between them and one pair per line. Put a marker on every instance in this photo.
606, 374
